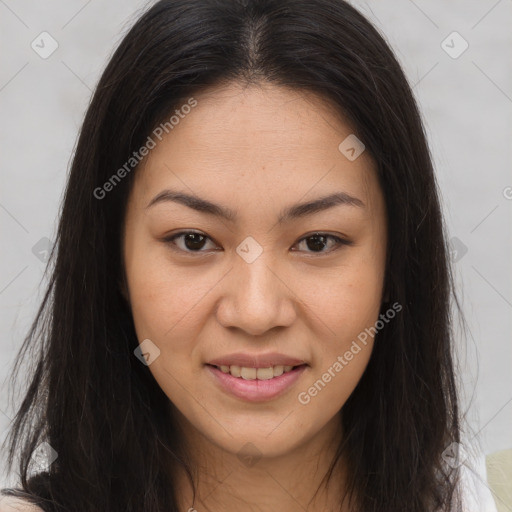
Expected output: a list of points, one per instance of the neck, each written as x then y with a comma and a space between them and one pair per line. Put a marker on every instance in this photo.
227, 481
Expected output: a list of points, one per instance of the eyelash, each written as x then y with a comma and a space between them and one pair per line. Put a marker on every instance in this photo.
339, 241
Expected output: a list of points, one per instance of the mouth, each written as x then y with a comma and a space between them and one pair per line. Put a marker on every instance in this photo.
247, 373
255, 384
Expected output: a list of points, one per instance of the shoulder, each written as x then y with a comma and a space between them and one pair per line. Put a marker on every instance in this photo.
11, 504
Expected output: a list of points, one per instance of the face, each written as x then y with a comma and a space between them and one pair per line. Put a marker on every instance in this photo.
243, 274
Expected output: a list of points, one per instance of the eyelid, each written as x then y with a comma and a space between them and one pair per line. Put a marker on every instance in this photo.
341, 240
169, 240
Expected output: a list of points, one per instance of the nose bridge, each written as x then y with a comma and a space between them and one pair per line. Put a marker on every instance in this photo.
257, 299
257, 283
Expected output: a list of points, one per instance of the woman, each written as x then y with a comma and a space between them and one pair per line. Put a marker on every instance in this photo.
249, 302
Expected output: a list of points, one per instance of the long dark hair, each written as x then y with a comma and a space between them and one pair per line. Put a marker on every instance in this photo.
90, 398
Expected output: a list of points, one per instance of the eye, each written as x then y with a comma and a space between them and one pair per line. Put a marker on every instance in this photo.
190, 241
317, 241
194, 242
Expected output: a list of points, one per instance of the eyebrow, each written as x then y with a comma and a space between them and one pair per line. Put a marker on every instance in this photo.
292, 212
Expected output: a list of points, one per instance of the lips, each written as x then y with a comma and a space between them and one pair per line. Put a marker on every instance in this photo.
256, 377
256, 390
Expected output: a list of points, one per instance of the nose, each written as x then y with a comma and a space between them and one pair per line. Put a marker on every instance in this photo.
256, 298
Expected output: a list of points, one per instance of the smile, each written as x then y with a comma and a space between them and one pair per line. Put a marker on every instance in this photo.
255, 384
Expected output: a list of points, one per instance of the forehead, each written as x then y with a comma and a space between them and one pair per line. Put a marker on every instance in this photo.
262, 141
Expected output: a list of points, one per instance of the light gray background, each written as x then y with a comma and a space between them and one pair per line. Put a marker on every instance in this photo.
466, 104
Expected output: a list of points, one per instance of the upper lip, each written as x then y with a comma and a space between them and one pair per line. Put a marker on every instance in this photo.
256, 360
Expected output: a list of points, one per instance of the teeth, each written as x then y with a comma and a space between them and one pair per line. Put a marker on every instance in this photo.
235, 371
278, 370
248, 373
265, 373
255, 373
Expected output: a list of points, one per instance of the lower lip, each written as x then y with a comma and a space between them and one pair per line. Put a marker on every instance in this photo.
256, 390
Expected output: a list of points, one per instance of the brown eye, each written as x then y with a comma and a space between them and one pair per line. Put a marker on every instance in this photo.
317, 242
189, 241
194, 242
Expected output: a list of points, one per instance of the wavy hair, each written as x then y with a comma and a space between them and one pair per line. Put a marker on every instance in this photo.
93, 402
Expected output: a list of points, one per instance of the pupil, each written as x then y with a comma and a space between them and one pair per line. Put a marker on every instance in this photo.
194, 241
316, 245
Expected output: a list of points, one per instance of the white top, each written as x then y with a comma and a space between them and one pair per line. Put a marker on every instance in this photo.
11, 504
476, 494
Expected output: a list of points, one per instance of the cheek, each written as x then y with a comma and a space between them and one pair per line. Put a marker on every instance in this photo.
340, 359
332, 382
163, 298
347, 298
167, 308
347, 306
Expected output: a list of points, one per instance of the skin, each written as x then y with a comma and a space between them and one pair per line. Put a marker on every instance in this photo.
256, 150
